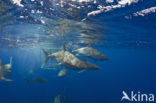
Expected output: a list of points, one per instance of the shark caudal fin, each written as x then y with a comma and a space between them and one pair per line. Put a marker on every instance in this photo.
28, 81
46, 54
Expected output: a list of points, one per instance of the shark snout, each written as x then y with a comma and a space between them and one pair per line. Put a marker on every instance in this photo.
94, 67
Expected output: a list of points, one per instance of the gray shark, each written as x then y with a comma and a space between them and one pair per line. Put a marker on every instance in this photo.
37, 79
90, 53
67, 59
57, 99
4, 69
64, 57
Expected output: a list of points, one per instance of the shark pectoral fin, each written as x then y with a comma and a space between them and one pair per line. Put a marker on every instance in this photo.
54, 65
82, 71
5, 79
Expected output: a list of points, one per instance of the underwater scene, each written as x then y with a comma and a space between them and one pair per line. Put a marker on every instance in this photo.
77, 51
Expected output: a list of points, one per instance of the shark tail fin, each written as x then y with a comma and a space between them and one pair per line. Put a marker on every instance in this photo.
46, 54
10, 60
28, 81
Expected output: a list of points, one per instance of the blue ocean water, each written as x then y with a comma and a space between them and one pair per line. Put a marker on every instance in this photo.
124, 35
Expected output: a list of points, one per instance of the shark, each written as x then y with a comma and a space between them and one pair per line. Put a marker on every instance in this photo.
37, 79
90, 53
67, 59
4, 69
57, 99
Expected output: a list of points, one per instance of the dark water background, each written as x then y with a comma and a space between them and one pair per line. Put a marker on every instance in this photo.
130, 47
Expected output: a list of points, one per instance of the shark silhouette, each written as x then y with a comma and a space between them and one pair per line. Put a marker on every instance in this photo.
67, 59
90, 53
